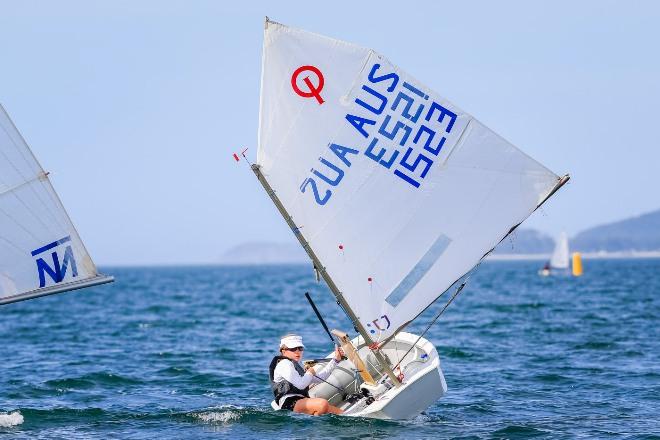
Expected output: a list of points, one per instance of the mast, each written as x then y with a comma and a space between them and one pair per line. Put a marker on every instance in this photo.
324, 274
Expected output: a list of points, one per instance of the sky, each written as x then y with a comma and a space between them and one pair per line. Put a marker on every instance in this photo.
135, 108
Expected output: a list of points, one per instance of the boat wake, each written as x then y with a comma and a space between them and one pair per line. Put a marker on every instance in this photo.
220, 417
226, 415
8, 420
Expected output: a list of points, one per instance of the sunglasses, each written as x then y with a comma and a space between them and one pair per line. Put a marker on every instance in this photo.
295, 349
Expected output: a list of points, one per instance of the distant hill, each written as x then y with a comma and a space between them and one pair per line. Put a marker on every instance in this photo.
641, 234
634, 234
265, 253
526, 241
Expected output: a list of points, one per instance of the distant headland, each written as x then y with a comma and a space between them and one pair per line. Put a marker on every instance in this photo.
629, 238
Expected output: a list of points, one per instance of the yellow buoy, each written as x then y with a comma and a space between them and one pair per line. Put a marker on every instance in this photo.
577, 264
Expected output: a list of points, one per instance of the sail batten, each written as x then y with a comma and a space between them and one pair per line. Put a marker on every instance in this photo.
39, 176
41, 252
400, 192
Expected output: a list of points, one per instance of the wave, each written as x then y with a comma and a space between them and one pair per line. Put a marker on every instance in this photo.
229, 414
8, 420
90, 380
518, 431
223, 417
596, 345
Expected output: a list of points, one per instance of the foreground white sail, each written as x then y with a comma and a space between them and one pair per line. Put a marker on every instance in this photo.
399, 192
40, 250
394, 192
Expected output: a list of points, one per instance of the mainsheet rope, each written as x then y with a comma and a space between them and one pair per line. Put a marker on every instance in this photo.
459, 290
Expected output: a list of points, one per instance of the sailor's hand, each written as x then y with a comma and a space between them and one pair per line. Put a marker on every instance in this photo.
311, 370
338, 353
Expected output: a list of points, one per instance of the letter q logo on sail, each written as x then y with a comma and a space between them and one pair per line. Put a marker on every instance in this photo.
310, 90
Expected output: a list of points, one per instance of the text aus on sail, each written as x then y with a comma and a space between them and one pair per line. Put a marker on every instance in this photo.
397, 125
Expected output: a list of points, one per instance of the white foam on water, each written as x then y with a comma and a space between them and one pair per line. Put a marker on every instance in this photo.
10, 419
224, 417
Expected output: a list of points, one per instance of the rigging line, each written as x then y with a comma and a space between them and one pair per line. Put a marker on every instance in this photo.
482, 203
341, 390
396, 350
247, 160
463, 276
459, 290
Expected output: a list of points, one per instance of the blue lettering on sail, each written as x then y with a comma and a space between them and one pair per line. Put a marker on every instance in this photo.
331, 172
405, 131
58, 270
380, 324
398, 126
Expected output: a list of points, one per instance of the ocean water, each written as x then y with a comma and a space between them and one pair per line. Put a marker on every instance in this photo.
182, 352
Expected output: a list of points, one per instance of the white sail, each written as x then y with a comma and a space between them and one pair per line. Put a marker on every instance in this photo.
398, 192
560, 255
40, 250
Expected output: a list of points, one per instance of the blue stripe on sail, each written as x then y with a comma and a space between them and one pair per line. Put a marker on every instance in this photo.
51, 245
418, 272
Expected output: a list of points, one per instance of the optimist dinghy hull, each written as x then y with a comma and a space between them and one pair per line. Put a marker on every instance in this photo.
423, 382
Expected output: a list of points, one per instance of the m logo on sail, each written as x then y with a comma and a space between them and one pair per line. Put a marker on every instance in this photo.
56, 271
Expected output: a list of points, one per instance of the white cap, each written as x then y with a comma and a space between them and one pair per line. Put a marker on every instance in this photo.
292, 341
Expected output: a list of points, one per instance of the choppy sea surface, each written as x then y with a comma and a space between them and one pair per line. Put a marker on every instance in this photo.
182, 352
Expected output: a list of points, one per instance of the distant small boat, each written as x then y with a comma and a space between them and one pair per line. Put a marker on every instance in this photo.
560, 257
545, 272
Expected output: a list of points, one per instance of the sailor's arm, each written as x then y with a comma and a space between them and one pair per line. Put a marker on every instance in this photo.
326, 371
287, 371
330, 366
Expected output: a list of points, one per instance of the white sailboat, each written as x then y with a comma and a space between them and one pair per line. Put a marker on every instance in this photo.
40, 250
394, 193
560, 256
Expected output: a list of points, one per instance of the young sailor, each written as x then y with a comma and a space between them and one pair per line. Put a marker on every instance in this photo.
290, 382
